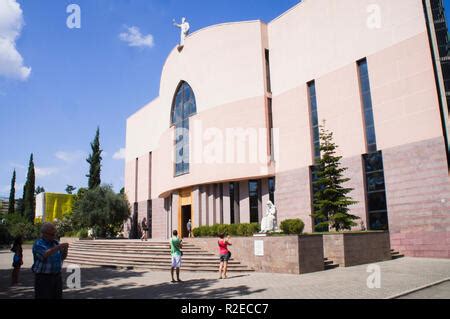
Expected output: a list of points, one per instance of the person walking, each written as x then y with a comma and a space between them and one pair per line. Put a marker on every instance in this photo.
144, 227
17, 259
48, 255
176, 253
189, 228
225, 255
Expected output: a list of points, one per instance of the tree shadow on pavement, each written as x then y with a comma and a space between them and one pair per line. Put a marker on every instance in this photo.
107, 283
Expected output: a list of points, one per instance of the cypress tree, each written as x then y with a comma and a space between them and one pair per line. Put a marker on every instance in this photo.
29, 199
94, 161
12, 195
331, 203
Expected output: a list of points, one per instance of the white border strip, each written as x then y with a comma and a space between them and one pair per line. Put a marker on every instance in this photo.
418, 289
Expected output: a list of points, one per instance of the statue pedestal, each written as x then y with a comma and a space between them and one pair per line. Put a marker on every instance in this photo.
260, 235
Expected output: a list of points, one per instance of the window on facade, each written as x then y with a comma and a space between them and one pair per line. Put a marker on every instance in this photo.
271, 182
373, 161
183, 107
314, 119
270, 128
314, 189
234, 203
366, 98
267, 56
376, 191
255, 200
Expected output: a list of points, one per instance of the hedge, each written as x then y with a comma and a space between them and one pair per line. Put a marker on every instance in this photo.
232, 230
292, 226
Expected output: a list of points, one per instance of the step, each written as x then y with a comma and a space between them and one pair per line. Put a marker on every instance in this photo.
150, 263
138, 251
148, 258
328, 267
160, 253
153, 267
328, 262
395, 254
146, 255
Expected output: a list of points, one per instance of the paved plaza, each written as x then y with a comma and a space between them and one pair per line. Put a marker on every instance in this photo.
399, 278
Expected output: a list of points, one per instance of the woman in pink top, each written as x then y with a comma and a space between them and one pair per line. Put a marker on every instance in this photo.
225, 255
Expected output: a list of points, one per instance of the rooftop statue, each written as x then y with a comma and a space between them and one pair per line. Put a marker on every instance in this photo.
184, 27
269, 223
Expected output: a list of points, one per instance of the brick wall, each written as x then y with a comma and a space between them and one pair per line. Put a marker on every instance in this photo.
357, 249
284, 254
292, 196
159, 222
418, 198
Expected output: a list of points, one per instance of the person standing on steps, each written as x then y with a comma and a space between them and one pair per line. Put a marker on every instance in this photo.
225, 255
144, 229
176, 253
189, 228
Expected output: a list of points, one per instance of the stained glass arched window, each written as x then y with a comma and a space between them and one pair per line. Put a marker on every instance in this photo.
183, 107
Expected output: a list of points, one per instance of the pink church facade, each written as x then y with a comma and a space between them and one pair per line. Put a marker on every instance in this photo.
235, 122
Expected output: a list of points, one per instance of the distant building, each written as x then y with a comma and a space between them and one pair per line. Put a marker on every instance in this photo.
51, 206
4, 204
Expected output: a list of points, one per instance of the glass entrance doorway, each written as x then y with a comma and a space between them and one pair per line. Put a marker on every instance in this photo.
185, 217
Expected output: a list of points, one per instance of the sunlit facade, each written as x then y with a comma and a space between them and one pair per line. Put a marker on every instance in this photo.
236, 122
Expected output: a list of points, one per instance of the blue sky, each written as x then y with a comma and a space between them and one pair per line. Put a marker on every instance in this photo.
72, 80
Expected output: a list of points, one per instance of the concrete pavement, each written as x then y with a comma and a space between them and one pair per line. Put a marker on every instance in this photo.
396, 277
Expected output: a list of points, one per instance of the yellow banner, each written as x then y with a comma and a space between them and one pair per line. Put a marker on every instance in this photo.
57, 205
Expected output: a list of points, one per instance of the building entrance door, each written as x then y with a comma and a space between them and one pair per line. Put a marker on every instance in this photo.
184, 211
185, 217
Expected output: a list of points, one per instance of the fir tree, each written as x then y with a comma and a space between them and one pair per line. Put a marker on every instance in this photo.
39, 190
94, 161
331, 205
12, 195
70, 189
29, 199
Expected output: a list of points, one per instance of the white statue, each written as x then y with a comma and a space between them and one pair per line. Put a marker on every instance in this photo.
184, 26
268, 223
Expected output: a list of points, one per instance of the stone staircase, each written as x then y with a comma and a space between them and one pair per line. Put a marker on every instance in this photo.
329, 264
151, 255
395, 254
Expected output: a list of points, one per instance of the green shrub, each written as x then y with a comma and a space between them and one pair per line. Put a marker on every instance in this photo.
232, 230
83, 233
64, 225
253, 229
292, 226
222, 229
213, 230
5, 236
17, 225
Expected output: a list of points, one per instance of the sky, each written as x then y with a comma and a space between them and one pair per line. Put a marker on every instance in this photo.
58, 84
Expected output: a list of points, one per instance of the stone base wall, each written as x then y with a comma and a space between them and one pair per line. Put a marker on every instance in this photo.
293, 197
159, 219
351, 249
283, 254
418, 198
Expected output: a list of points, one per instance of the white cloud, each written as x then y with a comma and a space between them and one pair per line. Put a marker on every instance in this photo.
70, 157
119, 155
134, 38
11, 23
45, 171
